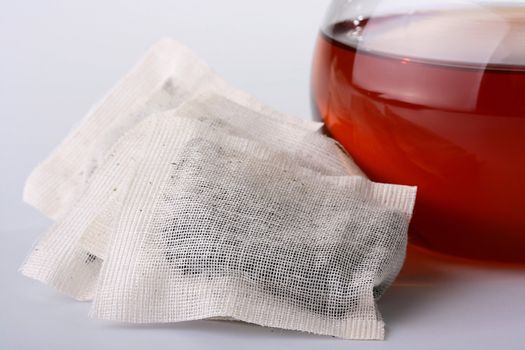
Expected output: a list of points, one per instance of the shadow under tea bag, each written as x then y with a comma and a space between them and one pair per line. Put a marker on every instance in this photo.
168, 75
214, 231
65, 255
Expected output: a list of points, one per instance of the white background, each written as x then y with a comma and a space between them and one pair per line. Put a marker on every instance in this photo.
57, 58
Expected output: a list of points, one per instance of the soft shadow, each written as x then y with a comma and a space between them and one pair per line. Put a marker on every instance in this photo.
427, 276
420, 280
234, 328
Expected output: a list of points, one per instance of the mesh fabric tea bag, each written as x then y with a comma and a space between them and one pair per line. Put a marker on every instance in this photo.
227, 228
214, 208
66, 254
168, 75
217, 113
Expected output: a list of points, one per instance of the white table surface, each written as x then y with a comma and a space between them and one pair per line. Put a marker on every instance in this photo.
57, 58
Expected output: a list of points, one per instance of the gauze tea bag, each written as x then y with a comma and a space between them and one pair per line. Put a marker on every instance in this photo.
168, 75
210, 230
308, 149
81, 235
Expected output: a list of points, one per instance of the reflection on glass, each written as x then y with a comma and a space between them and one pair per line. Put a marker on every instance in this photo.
432, 93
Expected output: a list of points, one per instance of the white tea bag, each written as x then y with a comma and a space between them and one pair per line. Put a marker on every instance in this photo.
217, 113
168, 75
226, 228
181, 198
82, 234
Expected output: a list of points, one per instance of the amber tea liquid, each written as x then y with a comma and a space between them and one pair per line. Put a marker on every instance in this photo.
451, 121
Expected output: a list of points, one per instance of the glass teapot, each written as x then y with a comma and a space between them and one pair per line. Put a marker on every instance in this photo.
432, 93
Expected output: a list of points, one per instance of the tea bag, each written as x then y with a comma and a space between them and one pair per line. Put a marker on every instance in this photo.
181, 198
168, 75
310, 150
81, 236
222, 227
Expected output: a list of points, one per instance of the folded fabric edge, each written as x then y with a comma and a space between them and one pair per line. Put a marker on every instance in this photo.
81, 290
350, 329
